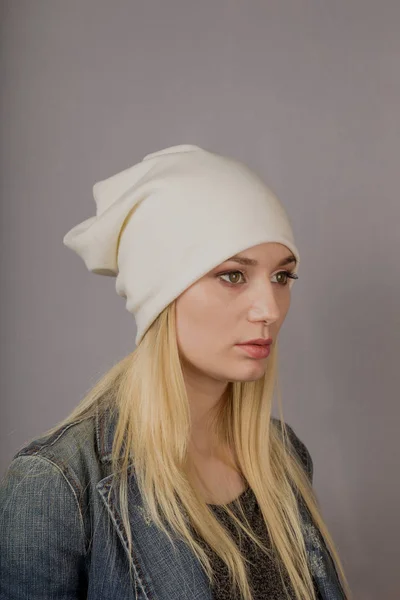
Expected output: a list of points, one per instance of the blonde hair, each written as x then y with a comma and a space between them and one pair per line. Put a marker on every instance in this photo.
147, 392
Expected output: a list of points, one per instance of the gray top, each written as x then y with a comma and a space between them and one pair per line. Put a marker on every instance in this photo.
265, 579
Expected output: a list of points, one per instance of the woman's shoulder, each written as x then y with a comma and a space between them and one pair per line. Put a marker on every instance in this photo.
69, 449
44, 495
63, 441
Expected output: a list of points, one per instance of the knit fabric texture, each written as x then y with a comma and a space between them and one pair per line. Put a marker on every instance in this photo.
264, 577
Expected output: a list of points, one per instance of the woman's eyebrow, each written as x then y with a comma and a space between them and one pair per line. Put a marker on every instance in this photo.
242, 260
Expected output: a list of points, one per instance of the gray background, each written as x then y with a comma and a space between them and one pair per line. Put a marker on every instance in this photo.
308, 94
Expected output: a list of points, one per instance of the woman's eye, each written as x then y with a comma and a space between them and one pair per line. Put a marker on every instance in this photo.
229, 274
285, 275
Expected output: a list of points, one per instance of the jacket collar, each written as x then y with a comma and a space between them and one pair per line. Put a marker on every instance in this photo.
105, 423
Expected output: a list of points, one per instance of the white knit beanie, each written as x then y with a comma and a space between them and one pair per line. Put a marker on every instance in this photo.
195, 209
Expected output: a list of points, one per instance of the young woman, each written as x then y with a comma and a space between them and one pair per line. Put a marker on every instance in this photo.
171, 480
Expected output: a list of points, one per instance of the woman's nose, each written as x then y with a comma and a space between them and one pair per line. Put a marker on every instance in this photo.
266, 309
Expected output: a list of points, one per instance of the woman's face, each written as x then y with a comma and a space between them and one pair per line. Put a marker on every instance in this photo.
224, 309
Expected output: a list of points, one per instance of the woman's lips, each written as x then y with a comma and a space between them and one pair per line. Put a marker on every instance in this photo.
255, 351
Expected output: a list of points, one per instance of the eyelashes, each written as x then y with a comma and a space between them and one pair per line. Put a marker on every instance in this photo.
289, 275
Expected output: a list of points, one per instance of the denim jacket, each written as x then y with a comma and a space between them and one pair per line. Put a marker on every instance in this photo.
62, 537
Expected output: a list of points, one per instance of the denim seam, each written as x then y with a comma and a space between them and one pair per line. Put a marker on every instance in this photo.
100, 438
63, 430
36, 446
71, 488
105, 490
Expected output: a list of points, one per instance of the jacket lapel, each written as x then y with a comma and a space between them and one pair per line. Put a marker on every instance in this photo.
320, 561
161, 571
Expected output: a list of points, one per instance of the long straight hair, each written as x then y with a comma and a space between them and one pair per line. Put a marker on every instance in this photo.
147, 393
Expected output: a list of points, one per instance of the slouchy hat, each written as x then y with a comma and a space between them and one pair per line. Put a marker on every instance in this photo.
165, 222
